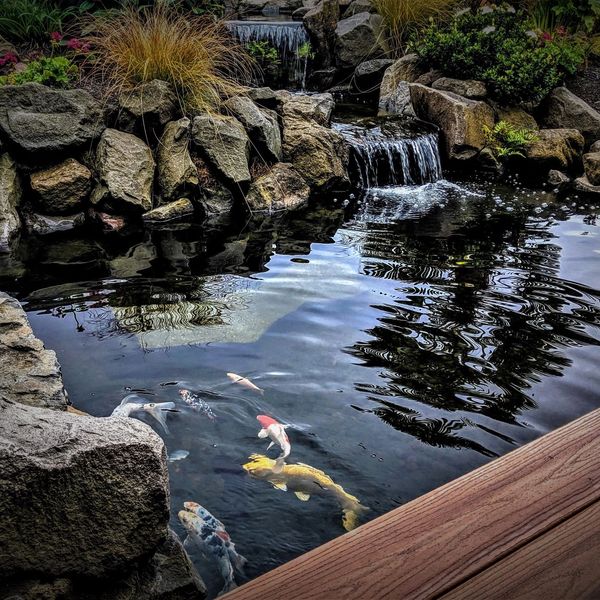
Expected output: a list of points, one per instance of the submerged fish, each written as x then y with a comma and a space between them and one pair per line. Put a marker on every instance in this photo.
304, 481
133, 403
178, 455
245, 382
198, 404
275, 431
213, 542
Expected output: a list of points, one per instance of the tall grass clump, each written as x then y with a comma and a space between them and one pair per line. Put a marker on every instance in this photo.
197, 55
403, 17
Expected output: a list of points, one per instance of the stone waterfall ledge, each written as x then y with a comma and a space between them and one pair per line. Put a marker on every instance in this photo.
29, 373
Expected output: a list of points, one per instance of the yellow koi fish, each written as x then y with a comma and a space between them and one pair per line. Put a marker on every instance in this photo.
304, 481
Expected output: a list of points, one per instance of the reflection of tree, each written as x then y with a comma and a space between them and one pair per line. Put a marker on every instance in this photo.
479, 315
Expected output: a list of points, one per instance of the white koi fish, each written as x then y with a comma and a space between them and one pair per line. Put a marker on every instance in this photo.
133, 403
275, 431
245, 382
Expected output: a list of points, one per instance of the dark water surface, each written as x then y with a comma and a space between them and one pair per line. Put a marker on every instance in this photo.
410, 338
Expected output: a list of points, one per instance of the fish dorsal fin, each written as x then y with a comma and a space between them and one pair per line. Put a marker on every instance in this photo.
302, 496
270, 445
280, 486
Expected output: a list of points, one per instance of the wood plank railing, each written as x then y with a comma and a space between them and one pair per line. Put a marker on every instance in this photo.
526, 525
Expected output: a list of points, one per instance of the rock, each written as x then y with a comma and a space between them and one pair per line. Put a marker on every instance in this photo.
36, 119
62, 188
29, 373
321, 79
368, 74
175, 171
179, 209
39, 224
515, 115
357, 38
461, 121
217, 202
468, 88
108, 223
149, 106
313, 107
488, 161
429, 77
10, 197
263, 96
394, 93
225, 144
281, 188
359, 6
564, 110
261, 125
125, 171
582, 184
555, 149
595, 147
299, 13
558, 180
591, 165
267, 7
320, 22
101, 486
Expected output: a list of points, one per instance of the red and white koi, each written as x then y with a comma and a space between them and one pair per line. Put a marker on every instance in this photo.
275, 431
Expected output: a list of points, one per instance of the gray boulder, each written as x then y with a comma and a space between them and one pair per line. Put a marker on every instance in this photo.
36, 119
591, 165
176, 210
368, 74
320, 22
563, 109
62, 188
558, 149
461, 121
263, 96
39, 224
225, 144
125, 171
10, 197
87, 496
514, 115
281, 188
394, 93
582, 184
261, 125
148, 106
175, 171
468, 88
29, 373
314, 107
357, 38
558, 180
359, 6
595, 147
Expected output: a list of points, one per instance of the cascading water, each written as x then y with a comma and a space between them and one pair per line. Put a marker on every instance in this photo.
287, 37
392, 151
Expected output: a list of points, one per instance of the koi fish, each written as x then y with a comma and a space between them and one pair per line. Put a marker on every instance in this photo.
158, 410
178, 455
275, 431
245, 382
198, 404
305, 481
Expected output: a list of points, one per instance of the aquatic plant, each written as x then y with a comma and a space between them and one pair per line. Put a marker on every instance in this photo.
197, 55
56, 71
506, 140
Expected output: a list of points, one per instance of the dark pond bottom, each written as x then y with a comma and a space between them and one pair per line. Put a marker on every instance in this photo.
408, 337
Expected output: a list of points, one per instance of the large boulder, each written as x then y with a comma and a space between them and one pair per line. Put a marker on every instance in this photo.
591, 165
357, 38
314, 107
62, 188
461, 121
173, 211
261, 125
368, 75
469, 88
10, 197
29, 373
175, 171
225, 144
281, 188
79, 496
147, 107
40, 224
125, 171
558, 149
583, 184
394, 93
35, 118
320, 22
563, 109
515, 116
359, 6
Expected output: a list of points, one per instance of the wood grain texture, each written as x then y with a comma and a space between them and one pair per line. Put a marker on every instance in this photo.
562, 564
436, 542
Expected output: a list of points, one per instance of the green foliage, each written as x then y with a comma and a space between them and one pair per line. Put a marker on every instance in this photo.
263, 52
305, 51
57, 71
506, 140
498, 48
579, 15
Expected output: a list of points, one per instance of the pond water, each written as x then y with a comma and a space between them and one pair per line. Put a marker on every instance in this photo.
408, 336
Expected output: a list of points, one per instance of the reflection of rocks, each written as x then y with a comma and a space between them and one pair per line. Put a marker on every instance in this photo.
10, 196
29, 373
80, 255
136, 260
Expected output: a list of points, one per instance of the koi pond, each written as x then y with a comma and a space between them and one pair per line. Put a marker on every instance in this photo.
406, 335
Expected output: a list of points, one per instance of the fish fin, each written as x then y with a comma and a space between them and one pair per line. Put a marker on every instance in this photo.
230, 584
280, 486
263, 433
238, 561
302, 496
270, 446
279, 464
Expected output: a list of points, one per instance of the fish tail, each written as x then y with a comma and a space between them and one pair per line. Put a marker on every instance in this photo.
230, 584
351, 516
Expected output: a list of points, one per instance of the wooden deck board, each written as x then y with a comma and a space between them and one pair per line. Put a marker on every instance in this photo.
440, 540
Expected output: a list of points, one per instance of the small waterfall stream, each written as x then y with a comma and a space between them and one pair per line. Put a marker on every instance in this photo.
287, 37
392, 151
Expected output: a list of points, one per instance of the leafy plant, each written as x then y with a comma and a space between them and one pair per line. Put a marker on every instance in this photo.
402, 17
197, 55
506, 140
305, 51
263, 52
56, 71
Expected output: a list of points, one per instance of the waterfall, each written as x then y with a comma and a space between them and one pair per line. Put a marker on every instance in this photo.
392, 151
286, 37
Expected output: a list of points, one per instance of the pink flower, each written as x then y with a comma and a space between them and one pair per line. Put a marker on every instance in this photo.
56, 36
8, 58
547, 37
74, 44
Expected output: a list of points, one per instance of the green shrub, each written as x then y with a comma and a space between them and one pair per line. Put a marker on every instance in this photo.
506, 140
263, 52
57, 71
498, 48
